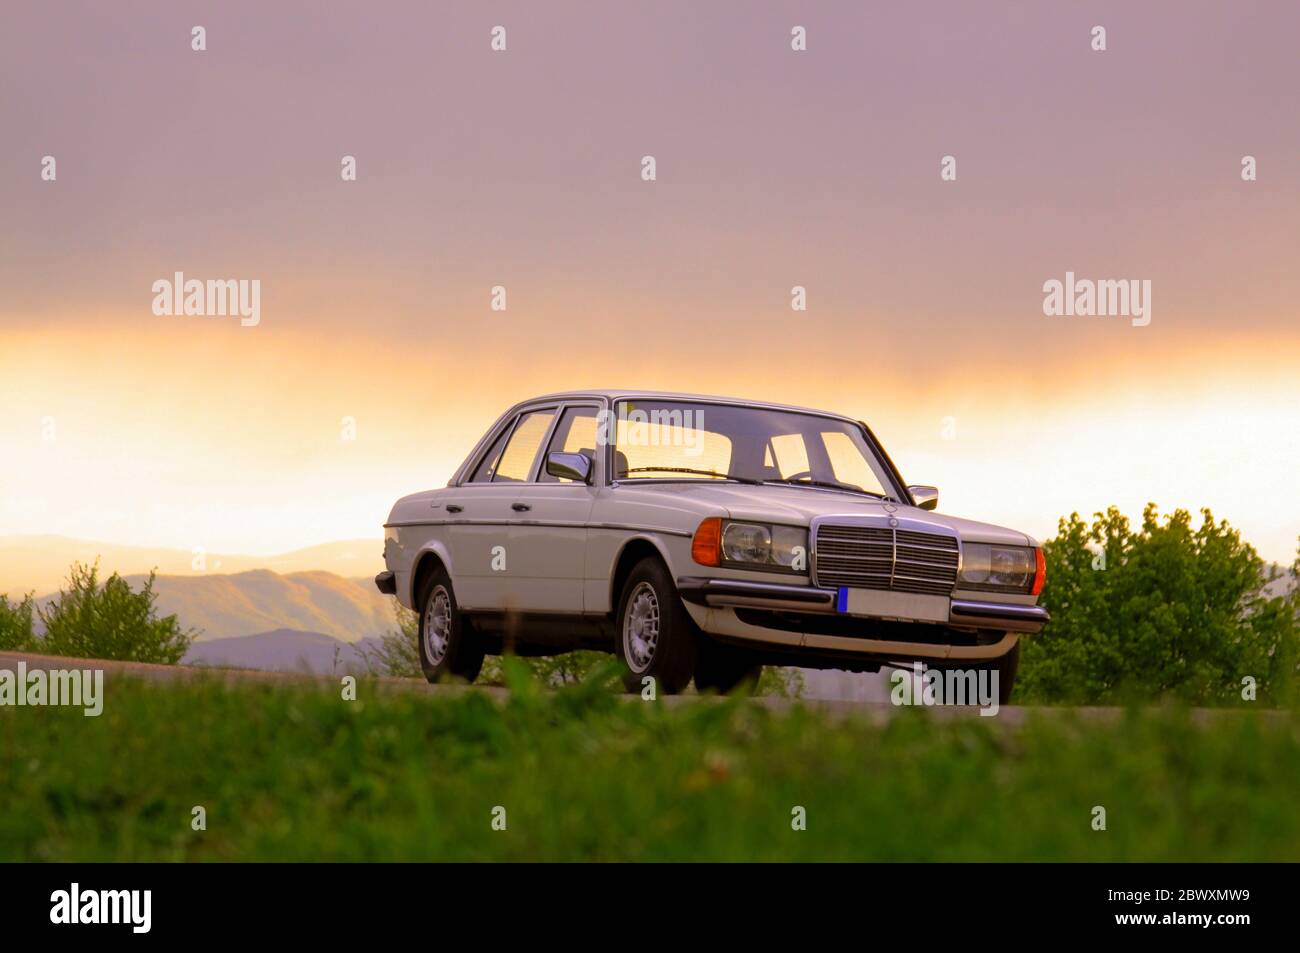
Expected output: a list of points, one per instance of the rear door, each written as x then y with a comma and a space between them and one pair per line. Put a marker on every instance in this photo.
483, 564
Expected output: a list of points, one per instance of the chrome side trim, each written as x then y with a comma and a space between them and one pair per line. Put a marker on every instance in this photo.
570, 524
659, 530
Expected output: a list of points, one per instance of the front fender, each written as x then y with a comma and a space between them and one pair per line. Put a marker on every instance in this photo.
670, 548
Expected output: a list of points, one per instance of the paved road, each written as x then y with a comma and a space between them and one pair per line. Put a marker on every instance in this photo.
174, 673
874, 711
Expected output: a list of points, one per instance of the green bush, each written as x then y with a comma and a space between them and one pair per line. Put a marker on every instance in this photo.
16, 634
397, 653
551, 670
1167, 610
110, 621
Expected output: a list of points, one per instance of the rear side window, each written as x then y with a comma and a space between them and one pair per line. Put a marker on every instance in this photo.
521, 450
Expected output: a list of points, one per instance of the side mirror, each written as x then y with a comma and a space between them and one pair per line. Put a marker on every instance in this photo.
569, 466
925, 497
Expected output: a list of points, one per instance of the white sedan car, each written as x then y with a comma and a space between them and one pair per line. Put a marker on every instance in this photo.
701, 537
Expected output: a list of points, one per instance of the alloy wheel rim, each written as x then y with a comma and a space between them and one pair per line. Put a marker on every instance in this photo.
641, 627
437, 625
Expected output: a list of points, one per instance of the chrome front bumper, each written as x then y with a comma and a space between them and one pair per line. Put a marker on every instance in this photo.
736, 593
998, 615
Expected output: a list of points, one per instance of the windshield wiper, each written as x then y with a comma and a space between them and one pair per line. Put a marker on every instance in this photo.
711, 473
831, 485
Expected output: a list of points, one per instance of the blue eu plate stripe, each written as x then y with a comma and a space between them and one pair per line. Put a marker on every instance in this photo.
842, 599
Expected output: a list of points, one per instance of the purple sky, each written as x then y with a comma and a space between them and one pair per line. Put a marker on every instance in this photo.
775, 168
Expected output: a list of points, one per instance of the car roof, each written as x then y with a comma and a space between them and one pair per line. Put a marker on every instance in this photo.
611, 394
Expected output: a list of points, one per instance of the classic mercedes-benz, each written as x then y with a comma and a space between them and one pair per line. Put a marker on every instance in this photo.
701, 537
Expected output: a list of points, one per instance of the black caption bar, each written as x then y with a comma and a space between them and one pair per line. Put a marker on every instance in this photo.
140, 903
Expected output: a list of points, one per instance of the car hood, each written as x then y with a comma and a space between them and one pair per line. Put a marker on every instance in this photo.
800, 505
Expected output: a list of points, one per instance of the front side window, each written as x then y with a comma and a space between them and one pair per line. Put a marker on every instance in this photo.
521, 451
575, 433
682, 440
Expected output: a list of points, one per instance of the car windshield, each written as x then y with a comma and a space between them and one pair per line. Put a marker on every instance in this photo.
685, 440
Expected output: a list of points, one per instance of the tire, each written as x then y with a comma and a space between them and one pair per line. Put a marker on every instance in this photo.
1006, 667
655, 635
449, 647
723, 668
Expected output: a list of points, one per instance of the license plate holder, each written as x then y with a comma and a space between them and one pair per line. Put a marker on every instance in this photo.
882, 604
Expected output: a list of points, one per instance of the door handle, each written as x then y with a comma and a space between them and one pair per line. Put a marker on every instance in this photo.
520, 507
453, 508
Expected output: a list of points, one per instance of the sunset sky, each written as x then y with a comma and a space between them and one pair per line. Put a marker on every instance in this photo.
522, 168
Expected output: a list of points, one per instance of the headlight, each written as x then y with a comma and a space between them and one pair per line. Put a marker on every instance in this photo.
751, 546
747, 543
1000, 568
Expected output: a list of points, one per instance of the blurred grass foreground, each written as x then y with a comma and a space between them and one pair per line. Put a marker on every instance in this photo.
290, 771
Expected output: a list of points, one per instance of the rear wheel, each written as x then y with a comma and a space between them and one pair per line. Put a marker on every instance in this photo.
723, 668
449, 647
657, 637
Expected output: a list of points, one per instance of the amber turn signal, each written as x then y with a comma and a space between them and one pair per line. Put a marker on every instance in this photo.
706, 546
1040, 572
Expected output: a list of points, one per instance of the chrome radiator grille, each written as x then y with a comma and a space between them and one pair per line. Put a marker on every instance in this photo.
879, 557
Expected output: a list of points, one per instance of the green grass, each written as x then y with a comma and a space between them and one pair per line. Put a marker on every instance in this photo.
293, 772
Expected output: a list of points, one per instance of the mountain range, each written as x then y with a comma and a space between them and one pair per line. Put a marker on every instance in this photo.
226, 606
40, 563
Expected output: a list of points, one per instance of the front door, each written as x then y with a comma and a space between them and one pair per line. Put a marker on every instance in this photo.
548, 540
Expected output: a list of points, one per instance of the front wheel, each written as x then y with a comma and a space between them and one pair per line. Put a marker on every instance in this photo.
449, 647
656, 635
